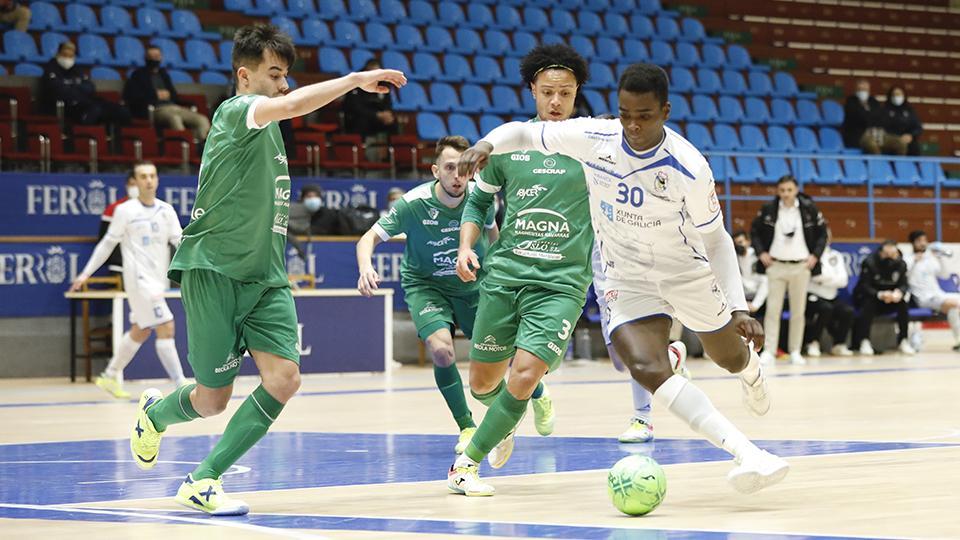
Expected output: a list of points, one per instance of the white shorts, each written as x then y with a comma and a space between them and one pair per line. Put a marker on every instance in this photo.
936, 300
694, 298
148, 310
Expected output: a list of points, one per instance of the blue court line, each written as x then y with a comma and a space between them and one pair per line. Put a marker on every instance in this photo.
400, 525
553, 383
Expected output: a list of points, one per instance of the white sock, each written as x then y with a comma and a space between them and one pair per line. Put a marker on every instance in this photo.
953, 317
691, 405
641, 401
463, 460
751, 372
167, 353
125, 353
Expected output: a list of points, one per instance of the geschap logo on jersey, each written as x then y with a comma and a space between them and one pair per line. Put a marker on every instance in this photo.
69, 200
51, 267
542, 223
533, 191
489, 344
452, 226
539, 249
519, 157
446, 262
357, 195
549, 167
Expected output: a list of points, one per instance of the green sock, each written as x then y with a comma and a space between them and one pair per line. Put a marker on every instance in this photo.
173, 409
488, 398
538, 391
503, 416
248, 425
450, 385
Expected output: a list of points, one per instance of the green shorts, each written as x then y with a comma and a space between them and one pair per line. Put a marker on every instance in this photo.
535, 319
432, 309
226, 317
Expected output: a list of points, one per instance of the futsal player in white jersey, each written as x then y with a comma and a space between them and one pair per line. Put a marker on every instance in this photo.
665, 252
145, 227
923, 270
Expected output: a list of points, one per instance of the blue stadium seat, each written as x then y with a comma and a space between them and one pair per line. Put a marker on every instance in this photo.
185, 23
425, 68
240, 6
805, 140
438, 39
756, 110
474, 99
785, 86
733, 83
854, 171
172, 57
781, 112
722, 167
489, 122
650, 7
596, 6
315, 32
50, 42
214, 78
759, 84
598, 104
332, 61
779, 139
692, 30
505, 101
748, 170
479, 17
408, 37
713, 56
739, 58
507, 18
93, 50
46, 16
623, 6
346, 34
430, 127
704, 109
535, 19
378, 36
200, 53
486, 70
831, 141
829, 171
303, 8
687, 55
601, 76
726, 138
661, 53
752, 138
699, 136
101, 73
608, 50
392, 11
562, 21
443, 98
450, 14
129, 51
466, 41
265, 8
667, 28
906, 173
832, 112
708, 82
116, 20
807, 113
880, 172
332, 10
178, 76
642, 27
82, 18
153, 22
411, 97
615, 25
522, 43
931, 173
589, 23
731, 112
362, 10
679, 108
456, 69
511, 71
774, 168
396, 60
26, 69
226, 55
528, 104
359, 58
681, 80
806, 171
495, 43
584, 46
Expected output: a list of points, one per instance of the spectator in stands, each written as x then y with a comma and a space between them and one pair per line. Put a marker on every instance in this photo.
308, 216
151, 85
115, 261
754, 284
824, 309
901, 122
924, 269
863, 123
789, 235
882, 289
64, 81
371, 116
13, 12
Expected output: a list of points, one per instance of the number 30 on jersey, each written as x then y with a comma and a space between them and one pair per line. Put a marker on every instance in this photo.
630, 194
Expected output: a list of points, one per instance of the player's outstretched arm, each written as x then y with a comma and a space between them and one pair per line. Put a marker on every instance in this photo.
723, 261
99, 256
369, 280
309, 98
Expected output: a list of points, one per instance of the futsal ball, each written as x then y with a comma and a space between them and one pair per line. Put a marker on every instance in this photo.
636, 484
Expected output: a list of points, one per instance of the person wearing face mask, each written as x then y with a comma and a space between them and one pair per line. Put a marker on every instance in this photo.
900, 121
861, 113
64, 81
754, 283
925, 269
309, 217
115, 261
371, 116
151, 85
882, 289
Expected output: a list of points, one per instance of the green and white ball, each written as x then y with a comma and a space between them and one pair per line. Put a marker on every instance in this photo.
636, 484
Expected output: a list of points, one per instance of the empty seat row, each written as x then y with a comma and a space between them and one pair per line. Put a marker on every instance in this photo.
431, 126
750, 138
754, 111
850, 171
116, 19
472, 98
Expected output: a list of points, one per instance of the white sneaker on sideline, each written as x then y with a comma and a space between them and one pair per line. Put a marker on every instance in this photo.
841, 350
797, 359
757, 470
866, 349
906, 349
813, 349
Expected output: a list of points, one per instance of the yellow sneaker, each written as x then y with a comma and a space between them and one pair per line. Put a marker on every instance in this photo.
207, 496
464, 439
112, 387
144, 438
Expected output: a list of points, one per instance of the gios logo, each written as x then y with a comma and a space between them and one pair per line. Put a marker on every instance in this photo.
533, 191
519, 157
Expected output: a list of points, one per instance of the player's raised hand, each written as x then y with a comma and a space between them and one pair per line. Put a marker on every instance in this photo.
78, 282
749, 328
369, 281
467, 264
373, 81
474, 159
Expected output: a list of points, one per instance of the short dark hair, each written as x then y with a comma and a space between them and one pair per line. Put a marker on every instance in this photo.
643, 78
739, 232
888, 242
560, 56
456, 142
368, 65
249, 42
152, 46
65, 45
916, 234
141, 163
788, 178
310, 188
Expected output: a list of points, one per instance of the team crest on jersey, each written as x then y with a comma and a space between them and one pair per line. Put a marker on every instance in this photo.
713, 204
611, 296
433, 213
660, 184
607, 210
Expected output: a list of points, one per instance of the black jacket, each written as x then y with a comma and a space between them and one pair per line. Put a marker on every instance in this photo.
71, 86
139, 91
857, 117
814, 228
879, 274
360, 113
903, 120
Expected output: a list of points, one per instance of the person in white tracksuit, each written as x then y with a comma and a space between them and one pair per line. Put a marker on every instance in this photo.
923, 271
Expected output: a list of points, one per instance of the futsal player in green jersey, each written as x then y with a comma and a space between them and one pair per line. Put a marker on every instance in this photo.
429, 215
230, 265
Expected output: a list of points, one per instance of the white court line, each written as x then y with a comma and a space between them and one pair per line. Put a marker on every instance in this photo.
160, 517
234, 469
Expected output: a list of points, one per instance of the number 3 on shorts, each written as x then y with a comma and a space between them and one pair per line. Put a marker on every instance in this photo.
565, 332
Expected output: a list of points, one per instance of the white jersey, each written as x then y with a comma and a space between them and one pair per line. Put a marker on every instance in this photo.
145, 234
922, 278
648, 209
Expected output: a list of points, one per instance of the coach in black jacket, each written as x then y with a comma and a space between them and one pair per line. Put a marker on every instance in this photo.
789, 235
882, 288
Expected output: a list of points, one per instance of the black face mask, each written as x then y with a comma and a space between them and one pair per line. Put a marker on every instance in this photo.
741, 250
153, 64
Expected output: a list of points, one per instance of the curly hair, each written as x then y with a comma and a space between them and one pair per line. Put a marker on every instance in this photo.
560, 56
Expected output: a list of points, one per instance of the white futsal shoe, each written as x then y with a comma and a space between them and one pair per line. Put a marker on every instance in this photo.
756, 470
756, 396
465, 480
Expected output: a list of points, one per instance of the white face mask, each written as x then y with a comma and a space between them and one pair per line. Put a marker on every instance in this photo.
897, 100
66, 63
133, 192
863, 95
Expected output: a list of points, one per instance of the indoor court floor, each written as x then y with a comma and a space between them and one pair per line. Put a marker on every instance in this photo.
874, 445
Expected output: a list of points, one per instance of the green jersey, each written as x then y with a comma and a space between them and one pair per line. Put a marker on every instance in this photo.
238, 226
546, 237
433, 234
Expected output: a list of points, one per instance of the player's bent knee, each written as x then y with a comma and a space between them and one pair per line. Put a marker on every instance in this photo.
283, 384
650, 374
732, 360
444, 357
484, 377
211, 401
